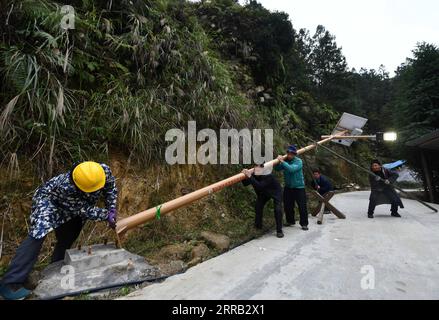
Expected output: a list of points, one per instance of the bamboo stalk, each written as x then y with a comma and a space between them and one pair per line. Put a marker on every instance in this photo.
140, 218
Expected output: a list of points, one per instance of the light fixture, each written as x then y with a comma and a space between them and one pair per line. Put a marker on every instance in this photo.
390, 136
386, 136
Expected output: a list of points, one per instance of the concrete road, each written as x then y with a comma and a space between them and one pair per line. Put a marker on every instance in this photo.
356, 258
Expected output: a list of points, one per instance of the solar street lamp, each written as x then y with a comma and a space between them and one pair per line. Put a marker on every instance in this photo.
352, 126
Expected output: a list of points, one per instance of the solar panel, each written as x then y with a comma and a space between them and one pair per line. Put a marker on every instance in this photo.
353, 124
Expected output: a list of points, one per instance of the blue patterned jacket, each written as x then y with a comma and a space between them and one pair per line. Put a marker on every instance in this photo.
59, 200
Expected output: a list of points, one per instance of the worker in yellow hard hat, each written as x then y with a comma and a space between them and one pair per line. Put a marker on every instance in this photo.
62, 204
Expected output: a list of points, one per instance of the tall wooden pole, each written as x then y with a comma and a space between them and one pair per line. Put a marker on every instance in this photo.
140, 218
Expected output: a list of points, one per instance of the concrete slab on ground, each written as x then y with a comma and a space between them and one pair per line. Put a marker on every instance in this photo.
90, 268
330, 261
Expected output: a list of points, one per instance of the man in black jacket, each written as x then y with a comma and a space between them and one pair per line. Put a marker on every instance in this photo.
321, 183
266, 187
381, 189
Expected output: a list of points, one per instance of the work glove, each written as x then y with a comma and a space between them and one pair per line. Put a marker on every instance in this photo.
247, 173
112, 216
386, 181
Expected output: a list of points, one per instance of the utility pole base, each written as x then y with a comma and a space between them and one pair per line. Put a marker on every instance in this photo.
91, 268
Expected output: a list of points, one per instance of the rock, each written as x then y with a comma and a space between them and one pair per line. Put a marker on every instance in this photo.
218, 241
185, 191
172, 267
194, 262
178, 251
200, 251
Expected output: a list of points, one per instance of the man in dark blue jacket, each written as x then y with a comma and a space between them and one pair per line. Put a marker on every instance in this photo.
321, 183
266, 187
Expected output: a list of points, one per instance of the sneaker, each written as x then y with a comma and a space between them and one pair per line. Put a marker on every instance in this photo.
396, 215
305, 228
12, 292
280, 234
370, 216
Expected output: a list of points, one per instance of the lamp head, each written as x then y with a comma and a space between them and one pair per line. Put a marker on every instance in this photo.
386, 136
390, 136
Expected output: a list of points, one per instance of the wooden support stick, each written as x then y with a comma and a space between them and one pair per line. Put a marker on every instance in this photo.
324, 200
316, 210
321, 214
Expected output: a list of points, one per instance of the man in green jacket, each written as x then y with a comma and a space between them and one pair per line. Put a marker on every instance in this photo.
294, 190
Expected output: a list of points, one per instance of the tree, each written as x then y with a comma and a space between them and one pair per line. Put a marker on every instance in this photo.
416, 104
327, 58
371, 91
326, 65
258, 37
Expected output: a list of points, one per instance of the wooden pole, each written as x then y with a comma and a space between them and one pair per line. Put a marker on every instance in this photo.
338, 136
140, 218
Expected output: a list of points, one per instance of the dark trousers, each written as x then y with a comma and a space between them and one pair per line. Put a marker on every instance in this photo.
26, 254
291, 197
261, 200
389, 195
322, 192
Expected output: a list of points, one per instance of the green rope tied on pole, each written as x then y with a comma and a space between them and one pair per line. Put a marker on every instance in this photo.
157, 212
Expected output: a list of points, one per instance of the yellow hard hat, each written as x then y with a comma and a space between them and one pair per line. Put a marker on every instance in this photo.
89, 176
